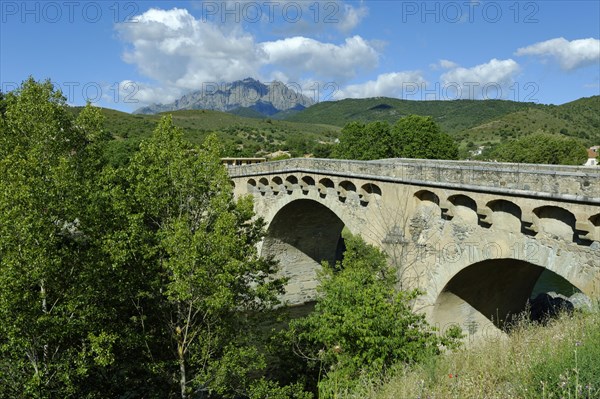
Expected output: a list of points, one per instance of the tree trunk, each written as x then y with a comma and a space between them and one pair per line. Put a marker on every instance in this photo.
182, 376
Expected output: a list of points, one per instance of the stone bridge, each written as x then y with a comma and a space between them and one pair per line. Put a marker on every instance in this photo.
480, 239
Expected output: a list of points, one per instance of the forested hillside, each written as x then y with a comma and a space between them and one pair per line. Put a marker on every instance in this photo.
453, 116
239, 136
579, 119
472, 123
314, 131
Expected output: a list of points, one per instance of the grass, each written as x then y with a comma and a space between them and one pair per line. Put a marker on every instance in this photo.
559, 360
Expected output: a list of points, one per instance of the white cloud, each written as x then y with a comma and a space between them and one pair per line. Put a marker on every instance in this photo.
569, 54
489, 80
443, 64
392, 84
138, 94
180, 52
448, 64
174, 48
299, 55
351, 17
286, 17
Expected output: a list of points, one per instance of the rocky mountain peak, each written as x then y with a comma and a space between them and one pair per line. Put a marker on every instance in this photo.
267, 99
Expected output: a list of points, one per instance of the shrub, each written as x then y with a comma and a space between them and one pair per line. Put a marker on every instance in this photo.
362, 324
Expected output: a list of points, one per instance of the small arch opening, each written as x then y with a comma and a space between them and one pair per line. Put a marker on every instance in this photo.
346, 190
506, 215
325, 187
307, 184
263, 186
427, 207
427, 196
369, 192
277, 185
555, 222
464, 208
595, 221
251, 186
291, 183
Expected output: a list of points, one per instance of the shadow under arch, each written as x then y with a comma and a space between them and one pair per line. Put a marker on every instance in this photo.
303, 234
488, 295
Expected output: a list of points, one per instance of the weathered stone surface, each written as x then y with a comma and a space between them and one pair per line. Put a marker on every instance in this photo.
478, 238
568, 182
581, 301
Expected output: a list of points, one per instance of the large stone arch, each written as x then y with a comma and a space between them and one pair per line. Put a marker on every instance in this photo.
302, 233
487, 296
479, 284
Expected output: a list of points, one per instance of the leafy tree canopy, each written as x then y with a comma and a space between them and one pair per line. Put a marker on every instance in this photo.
141, 281
198, 244
53, 336
420, 137
410, 137
543, 148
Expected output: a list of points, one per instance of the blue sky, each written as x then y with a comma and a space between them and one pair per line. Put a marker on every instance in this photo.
126, 54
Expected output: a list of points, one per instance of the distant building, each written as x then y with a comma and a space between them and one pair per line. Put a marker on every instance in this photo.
593, 153
241, 161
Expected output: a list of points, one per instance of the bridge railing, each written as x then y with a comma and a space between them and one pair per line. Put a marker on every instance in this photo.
561, 182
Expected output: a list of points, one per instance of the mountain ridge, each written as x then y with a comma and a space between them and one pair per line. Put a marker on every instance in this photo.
265, 99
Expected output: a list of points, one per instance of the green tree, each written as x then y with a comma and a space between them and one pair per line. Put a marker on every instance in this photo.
197, 245
53, 336
410, 137
2, 104
138, 281
361, 323
542, 148
420, 137
364, 141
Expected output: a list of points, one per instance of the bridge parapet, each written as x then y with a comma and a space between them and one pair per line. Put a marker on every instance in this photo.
562, 183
